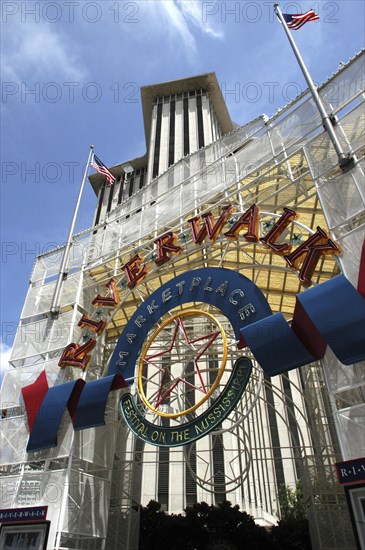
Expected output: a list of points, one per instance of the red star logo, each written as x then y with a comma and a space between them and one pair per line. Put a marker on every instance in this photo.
172, 363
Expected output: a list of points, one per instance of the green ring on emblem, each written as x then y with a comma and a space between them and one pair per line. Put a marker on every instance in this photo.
199, 427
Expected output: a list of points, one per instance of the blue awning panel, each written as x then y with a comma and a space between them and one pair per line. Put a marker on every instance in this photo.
275, 345
91, 406
48, 419
337, 310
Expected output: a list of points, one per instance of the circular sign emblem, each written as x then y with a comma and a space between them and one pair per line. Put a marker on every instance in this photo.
173, 364
187, 371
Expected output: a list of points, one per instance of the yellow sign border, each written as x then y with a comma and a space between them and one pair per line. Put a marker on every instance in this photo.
189, 312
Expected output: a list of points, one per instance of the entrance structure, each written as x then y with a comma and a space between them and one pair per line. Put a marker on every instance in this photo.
175, 211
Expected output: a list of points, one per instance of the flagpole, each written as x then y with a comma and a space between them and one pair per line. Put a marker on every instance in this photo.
346, 160
55, 307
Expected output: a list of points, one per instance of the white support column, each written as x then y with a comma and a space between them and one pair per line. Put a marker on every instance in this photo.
149, 475
193, 125
179, 130
208, 136
152, 144
176, 481
165, 134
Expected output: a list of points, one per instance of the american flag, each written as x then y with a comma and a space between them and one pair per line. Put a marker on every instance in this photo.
296, 20
102, 169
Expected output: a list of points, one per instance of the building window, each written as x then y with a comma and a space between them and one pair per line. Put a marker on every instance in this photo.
141, 178
163, 473
199, 109
190, 470
100, 204
172, 133
186, 127
274, 433
217, 450
110, 198
131, 184
121, 186
156, 158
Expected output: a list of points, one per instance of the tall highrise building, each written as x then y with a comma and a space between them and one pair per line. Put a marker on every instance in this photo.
180, 117
199, 299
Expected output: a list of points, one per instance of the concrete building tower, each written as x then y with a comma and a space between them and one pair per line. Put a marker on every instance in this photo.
182, 365
180, 117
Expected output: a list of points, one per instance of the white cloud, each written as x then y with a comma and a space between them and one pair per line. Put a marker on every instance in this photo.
192, 11
37, 50
178, 22
179, 18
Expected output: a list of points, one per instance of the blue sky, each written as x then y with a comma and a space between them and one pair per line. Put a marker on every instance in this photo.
71, 74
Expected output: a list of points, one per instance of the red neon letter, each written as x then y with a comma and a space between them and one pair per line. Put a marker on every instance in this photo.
166, 244
96, 326
134, 271
309, 253
277, 230
250, 219
207, 227
112, 301
76, 355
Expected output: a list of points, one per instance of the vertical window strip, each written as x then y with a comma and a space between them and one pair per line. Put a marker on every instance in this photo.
264, 485
100, 204
218, 468
131, 183
172, 133
141, 179
186, 127
121, 186
199, 109
138, 453
110, 198
294, 434
217, 448
163, 472
190, 473
190, 483
315, 437
156, 157
164, 463
255, 458
274, 432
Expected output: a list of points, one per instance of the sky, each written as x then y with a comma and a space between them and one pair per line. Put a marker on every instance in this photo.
71, 74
